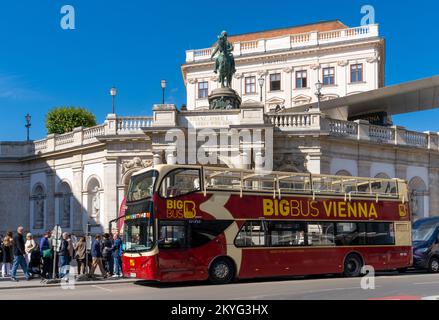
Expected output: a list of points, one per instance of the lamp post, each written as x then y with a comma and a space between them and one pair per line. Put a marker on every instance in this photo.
318, 93
113, 93
163, 85
261, 81
28, 125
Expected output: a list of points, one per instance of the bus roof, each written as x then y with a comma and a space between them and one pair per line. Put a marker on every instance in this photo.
276, 182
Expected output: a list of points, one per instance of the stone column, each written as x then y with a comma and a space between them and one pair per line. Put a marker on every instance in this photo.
433, 188
110, 192
50, 198
78, 205
364, 167
288, 88
313, 162
157, 157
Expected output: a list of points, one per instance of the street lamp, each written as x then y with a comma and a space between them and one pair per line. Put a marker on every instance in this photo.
163, 85
261, 81
28, 125
318, 93
113, 93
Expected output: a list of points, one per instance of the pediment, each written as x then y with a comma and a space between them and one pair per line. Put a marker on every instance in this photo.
302, 99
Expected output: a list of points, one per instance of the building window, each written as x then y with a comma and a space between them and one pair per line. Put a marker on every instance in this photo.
328, 76
39, 207
301, 79
203, 90
357, 73
250, 85
275, 82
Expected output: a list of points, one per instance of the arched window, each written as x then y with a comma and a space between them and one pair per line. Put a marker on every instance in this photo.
418, 192
39, 207
382, 175
343, 173
94, 200
64, 205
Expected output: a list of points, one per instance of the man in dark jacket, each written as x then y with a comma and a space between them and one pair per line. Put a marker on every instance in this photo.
96, 254
18, 252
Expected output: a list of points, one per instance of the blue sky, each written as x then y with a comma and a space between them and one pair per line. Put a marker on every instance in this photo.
134, 44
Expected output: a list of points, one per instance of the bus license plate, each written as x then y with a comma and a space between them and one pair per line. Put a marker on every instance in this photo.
133, 275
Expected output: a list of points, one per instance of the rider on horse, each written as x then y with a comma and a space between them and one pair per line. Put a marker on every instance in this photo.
225, 49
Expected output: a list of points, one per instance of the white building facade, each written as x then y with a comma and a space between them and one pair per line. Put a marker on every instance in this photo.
290, 61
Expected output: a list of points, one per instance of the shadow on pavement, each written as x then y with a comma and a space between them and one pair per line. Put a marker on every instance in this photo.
166, 285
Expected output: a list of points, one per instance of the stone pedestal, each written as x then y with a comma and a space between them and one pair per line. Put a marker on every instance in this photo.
224, 98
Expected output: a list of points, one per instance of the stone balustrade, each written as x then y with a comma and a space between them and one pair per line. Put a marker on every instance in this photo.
299, 123
358, 130
78, 137
291, 42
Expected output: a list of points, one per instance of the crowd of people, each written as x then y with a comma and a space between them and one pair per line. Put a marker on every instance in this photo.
43, 258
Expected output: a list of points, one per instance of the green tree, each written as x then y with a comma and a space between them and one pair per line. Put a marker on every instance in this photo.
64, 119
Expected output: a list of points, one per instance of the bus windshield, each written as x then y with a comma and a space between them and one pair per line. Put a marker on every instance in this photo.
142, 186
138, 235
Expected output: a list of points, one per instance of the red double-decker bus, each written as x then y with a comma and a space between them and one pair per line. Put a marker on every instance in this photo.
197, 223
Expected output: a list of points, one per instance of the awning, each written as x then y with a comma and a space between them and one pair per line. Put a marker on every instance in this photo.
407, 97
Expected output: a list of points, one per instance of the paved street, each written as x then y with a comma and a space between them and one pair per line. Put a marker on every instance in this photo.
388, 286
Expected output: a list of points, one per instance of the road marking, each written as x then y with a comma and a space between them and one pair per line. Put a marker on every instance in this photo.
102, 288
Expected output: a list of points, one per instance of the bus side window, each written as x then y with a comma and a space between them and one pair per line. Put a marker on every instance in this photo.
172, 236
180, 182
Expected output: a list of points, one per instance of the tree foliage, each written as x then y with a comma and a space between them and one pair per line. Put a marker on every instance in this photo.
64, 119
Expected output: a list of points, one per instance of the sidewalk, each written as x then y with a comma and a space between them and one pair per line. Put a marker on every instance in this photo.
36, 282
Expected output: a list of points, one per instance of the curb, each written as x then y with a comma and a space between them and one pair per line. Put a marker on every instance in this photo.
77, 283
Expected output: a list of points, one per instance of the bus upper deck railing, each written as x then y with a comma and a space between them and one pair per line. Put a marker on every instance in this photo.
283, 183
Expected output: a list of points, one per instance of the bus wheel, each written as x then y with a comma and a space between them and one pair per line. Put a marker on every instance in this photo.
352, 266
221, 271
433, 265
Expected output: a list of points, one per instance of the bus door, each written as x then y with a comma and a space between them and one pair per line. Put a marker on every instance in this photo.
173, 258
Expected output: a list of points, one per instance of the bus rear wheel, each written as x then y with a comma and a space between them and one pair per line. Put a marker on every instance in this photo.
352, 266
221, 271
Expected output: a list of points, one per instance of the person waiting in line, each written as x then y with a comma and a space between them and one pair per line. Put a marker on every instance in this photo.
64, 256
80, 252
29, 246
107, 260
7, 255
19, 252
116, 255
46, 255
35, 261
96, 254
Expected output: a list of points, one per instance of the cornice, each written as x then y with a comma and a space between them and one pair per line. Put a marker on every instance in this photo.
377, 43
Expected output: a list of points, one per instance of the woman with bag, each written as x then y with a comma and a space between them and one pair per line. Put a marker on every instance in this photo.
47, 255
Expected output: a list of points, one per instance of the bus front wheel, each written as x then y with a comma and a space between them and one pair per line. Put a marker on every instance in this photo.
352, 266
221, 271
